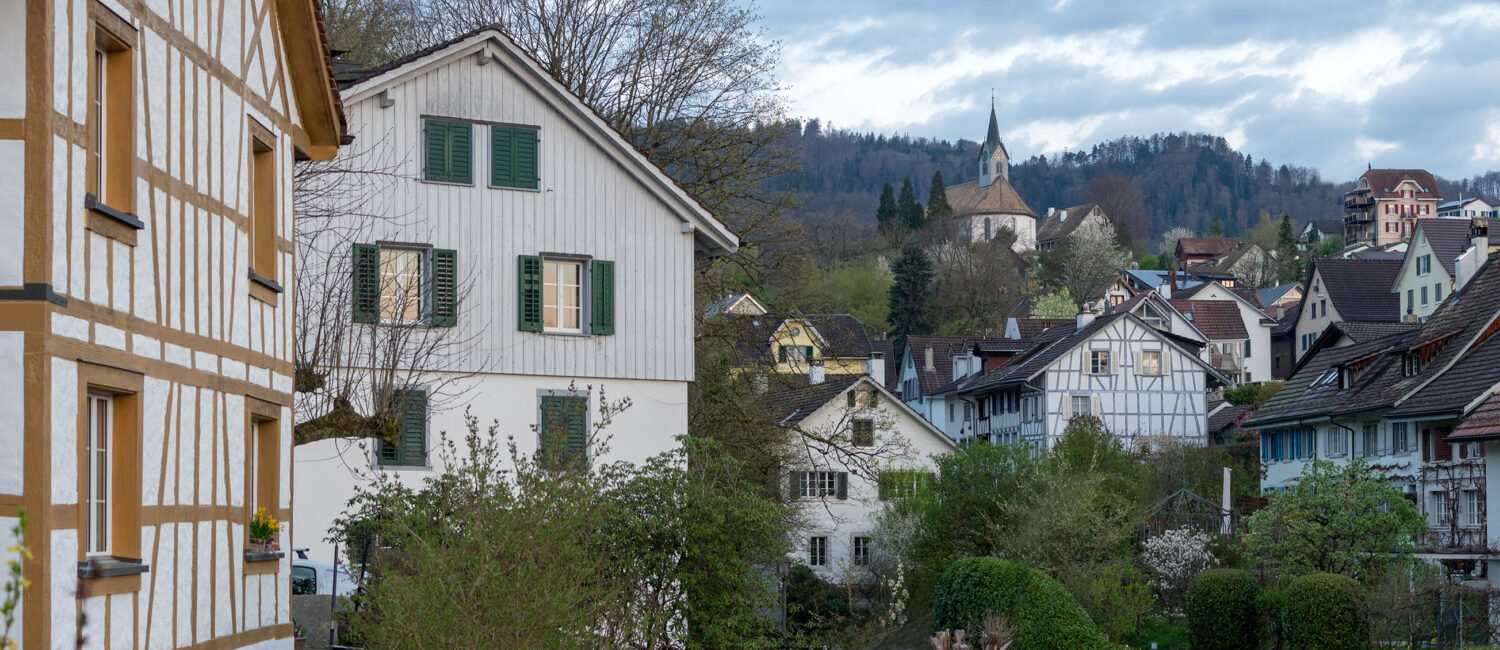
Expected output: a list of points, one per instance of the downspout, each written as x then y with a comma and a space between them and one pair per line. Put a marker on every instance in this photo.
1350, 446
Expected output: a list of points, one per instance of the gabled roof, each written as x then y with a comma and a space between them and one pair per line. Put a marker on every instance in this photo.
1052, 344
1448, 237
1269, 296
1312, 392
736, 303
1383, 183
1328, 226
942, 370
1214, 246
1483, 423
886, 348
1287, 322
710, 235
999, 198
1241, 290
845, 335
796, 403
1360, 289
839, 336
1152, 278
1062, 223
1361, 331
1030, 327
1217, 319
1222, 418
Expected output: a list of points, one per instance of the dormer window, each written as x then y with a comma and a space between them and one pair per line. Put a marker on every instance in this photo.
1411, 364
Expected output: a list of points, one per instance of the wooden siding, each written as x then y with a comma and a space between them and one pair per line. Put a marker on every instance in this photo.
586, 204
167, 306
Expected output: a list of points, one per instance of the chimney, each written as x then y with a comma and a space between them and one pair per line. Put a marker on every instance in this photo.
1062, 215
1012, 329
1085, 318
1051, 211
929, 365
1166, 288
1280, 311
1467, 265
815, 374
1411, 317
877, 368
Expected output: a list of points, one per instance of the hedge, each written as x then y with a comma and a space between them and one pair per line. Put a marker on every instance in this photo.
1222, 610
1045, 616
1324, 611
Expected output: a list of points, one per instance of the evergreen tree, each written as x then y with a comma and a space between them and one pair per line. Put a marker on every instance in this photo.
1287, 264
937, 199
1215, 228
912, 274
908, 208
886, 214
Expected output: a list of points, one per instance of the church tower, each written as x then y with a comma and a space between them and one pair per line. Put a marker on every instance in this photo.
994, 160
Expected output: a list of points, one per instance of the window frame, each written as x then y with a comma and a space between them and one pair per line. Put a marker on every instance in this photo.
1088, 402
423, 253
859, 550
95, 498
1095, 362
110, 124
555, 261
123, 561
261, 214
817, 551
1151, 363
860, 426
820, 484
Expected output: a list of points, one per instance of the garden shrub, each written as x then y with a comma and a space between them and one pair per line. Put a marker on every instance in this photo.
1043, 613
1223, 610
811, 602
1324, 611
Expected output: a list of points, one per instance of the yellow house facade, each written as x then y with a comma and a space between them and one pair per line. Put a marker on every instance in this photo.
146, 148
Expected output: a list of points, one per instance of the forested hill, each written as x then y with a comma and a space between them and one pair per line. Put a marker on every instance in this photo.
1185, 178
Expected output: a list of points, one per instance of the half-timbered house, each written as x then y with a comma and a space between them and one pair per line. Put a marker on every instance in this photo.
1139, 381
146, 153
559, 254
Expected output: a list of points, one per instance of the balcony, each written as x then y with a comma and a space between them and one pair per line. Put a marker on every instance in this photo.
1359, 217
1225, 362
982, 427
1361, 201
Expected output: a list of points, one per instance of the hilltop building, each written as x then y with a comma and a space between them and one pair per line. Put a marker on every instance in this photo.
983, 207
1384, 206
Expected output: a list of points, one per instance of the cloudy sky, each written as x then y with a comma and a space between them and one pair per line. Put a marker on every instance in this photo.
1332, 85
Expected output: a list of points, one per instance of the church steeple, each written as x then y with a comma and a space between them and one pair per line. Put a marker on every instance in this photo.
994, 160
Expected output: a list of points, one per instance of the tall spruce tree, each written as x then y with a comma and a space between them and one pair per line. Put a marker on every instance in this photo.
937, 199
912, 275
907, 206
1287, 265
1215, 227
886, 214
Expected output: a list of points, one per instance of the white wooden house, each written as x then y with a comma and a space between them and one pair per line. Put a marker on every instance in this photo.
578, 252
146, 154
1139, 381
840, 506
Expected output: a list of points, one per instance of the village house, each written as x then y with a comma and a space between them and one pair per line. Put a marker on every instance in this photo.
1346, 290
1385, 203
1317, 230
1430, 264
931, 368
1058, 224
1252, 361
1139, 381
581, 293
1468, 208
146, 336
1394, 400
982, 208
1226, 258
807, 344
1284, 295
882, 450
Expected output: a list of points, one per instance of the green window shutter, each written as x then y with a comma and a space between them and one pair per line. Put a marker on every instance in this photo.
444, 287
809, 356
602, 289
435, 153
525, 158
502, 156
563, 439
529, 280
577, 445
411, 451
460, 152
366, 283
781, 354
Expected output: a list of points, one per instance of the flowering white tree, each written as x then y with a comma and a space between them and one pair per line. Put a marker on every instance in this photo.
1175, 557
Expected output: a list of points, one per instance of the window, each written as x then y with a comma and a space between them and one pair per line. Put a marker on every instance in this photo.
1411, 300
1115, 299
262, 459
900, 483
1371, 440
1437, 292
554, 292
1151, 362
1473, 508
513, 157
1247, 349
1323, 307
968, 411
262, 206
1424, 295
1424, 264
864, 399
817, 551
1400, 439
1438, 505
1099, 362
110, 141
1081, 405
304, 581
863, 433
795, 354
563, 434
861, 551
820, 484
97, 495
411, 450
986, 228
405, 284
447, 156
1336, 442
562, 291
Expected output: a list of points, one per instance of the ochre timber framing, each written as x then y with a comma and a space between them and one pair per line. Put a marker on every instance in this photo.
138, 355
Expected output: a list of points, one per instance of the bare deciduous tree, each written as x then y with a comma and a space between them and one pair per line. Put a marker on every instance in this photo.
1085, 262
350, 376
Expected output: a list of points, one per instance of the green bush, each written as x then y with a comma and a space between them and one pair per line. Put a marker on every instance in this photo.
1041, 610
1324, 611
812, 603
1222, 610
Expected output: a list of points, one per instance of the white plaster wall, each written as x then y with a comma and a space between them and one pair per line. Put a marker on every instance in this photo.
122, 621
13, 49
93, 623
12, 172
1283, 473
64, 431
1306, 324
325, 471
63, 561
12, 412
841, 520
1408, 279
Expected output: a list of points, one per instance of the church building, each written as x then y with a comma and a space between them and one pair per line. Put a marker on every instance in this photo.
983, 207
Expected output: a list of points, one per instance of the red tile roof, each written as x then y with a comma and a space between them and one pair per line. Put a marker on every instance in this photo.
1483, 423
1214, 246
1383, 183
1217, 319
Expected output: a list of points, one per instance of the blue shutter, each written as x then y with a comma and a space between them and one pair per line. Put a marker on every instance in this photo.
1265, 446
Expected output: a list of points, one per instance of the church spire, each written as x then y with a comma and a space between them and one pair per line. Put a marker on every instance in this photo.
993, 137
